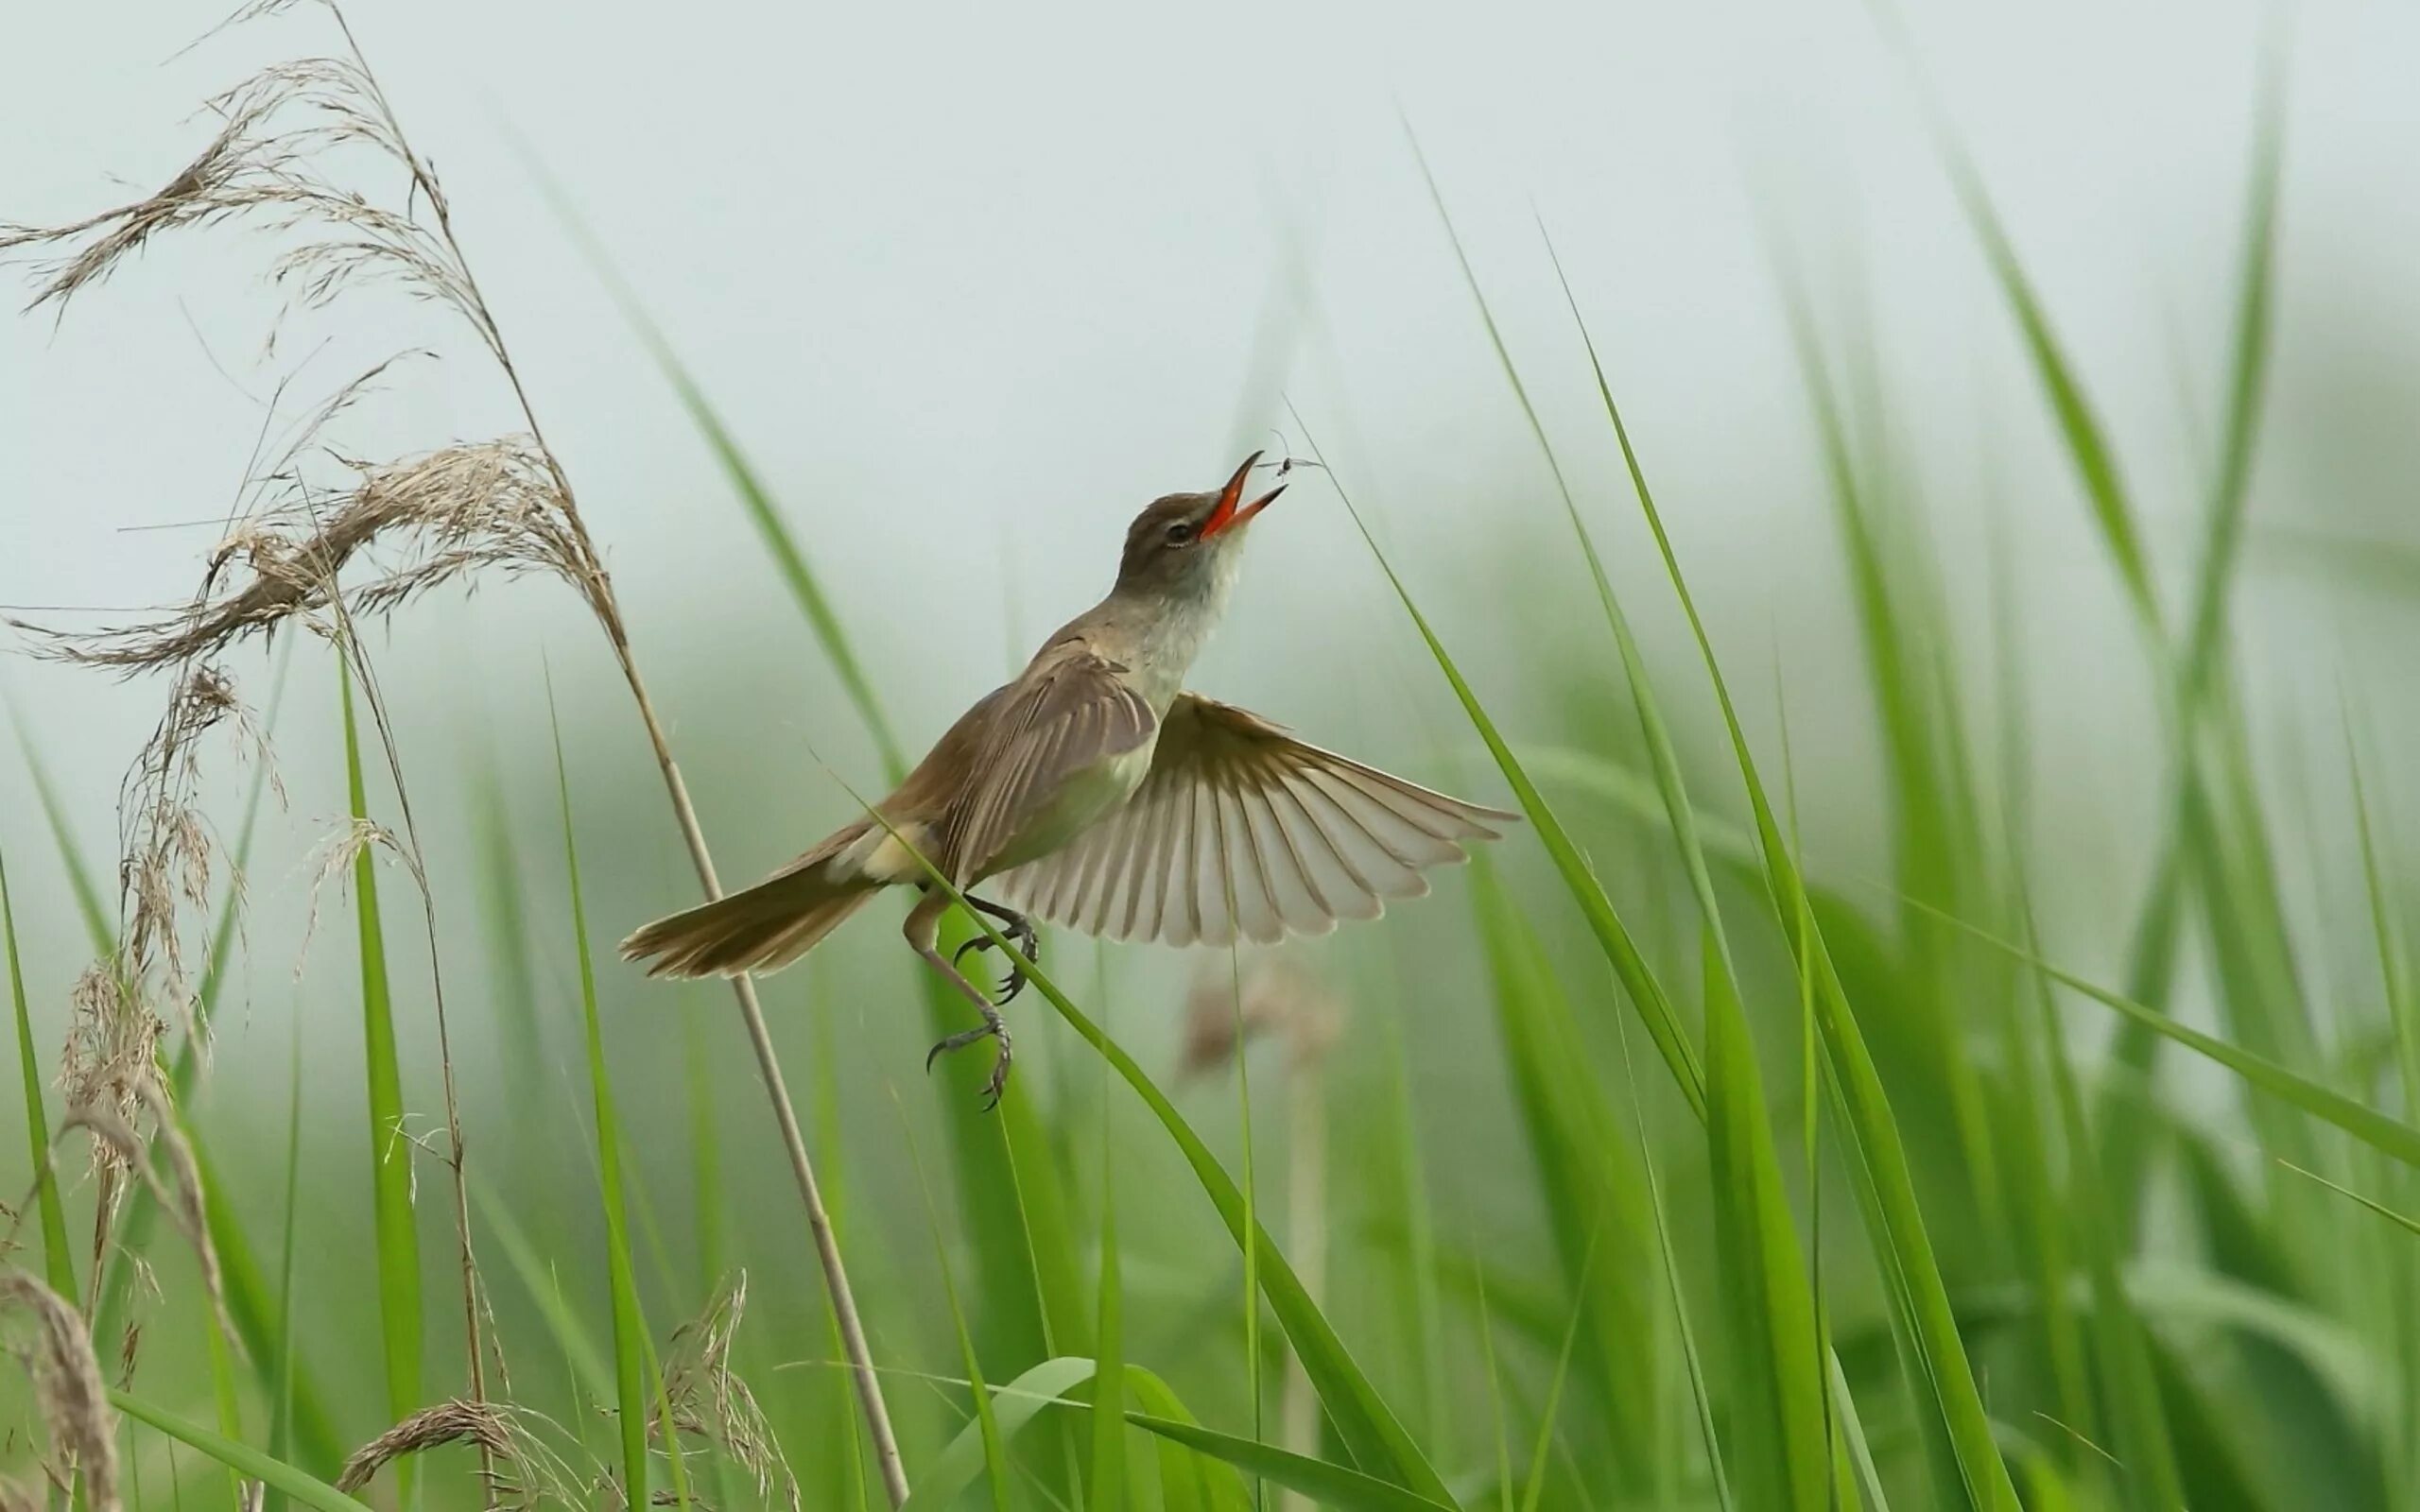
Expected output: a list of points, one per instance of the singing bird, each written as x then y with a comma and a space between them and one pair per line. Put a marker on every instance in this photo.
1095, 792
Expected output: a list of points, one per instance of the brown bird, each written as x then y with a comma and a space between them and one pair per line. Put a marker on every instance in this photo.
1100, 794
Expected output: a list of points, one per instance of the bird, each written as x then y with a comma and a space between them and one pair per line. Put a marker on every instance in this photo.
1096, 792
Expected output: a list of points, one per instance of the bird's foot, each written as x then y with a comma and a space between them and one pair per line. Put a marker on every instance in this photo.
993, 1027
1019, 930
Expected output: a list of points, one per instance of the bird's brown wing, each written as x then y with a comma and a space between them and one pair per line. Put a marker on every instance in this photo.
1050, 725
1241, 829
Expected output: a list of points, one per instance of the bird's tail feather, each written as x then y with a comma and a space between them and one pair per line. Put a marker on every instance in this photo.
761, 928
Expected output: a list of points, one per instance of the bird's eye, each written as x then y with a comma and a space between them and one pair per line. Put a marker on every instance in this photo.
1180, 534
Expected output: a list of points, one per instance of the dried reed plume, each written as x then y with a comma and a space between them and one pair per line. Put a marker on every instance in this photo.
68, 1387
708, 1399
520, 1470
179, 1192
449, 516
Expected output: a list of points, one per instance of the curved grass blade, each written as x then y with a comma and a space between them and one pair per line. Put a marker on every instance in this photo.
987, 1423
280, 1385
1109, 1488
1630, 966
98, 926
1587, 1179
390, 1149
1780, 1439
279, 1476
1054, 1382
1326, 1484
59, 1263
630, 1372
1370, 1430
1900, 1239
2386, 1135
2151, 1479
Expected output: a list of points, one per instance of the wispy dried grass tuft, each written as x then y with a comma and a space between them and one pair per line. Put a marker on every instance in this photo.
267, 166
710, 1400
525, 1471
74, 1400
181, 1192
443, 516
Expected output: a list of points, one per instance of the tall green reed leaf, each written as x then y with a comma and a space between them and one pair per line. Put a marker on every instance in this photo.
390, 1145
634, 1387
59, 1263
1901, 1240
1621, 950
2149, 1474
241, 1458
281, 1383
90, 906
995, 1456
1780, 1440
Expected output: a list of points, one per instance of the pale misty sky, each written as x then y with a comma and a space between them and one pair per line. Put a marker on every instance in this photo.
971, 283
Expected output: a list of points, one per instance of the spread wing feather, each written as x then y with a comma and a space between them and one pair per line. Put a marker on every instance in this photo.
1239, 831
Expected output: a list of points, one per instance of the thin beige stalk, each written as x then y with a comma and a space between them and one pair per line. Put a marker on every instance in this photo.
827, 1247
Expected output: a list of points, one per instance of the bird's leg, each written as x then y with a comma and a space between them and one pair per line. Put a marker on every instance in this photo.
924, 932
1019, 930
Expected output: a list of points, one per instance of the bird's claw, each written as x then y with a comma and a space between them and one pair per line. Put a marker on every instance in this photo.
1025, 938
992, 1028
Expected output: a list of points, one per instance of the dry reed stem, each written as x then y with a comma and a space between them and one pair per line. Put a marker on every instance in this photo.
67, 1382
507, 505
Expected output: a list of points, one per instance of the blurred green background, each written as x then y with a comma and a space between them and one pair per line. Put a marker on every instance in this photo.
2083, 625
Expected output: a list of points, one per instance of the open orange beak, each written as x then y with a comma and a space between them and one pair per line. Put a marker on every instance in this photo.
1228, 515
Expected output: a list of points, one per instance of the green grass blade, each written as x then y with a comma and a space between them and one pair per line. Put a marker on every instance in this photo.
1109, 1488
1328, 1485
1699, 1396
998, 1423
2151, 1478
2394, 966
1252, 1206
390, 1149
1369, 1429
987, 1423
1630, 966
1534, 1482
2247, 372
99, 926
1055, 1382
1900, 1241
1586, 1180
2087, 443
241, 1458
1780, 1439
2400, 1220
2386, 1135
631, 1343
59, 1262
591, 1371
281, 1383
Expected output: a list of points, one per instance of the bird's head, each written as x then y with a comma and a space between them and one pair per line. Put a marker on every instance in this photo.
1188, 545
